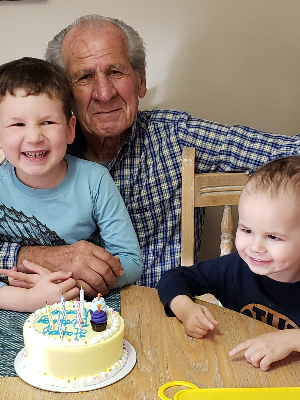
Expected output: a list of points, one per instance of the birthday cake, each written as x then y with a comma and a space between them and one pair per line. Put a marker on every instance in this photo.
63, 348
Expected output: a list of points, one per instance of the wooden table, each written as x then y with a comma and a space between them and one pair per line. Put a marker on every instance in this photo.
165, 353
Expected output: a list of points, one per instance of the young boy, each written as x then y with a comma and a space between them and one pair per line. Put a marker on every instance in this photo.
263, 279
46, 196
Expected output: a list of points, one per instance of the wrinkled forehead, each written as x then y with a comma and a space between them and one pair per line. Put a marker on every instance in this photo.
83, 41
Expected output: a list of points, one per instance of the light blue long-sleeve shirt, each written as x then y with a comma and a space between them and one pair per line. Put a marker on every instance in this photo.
86, 203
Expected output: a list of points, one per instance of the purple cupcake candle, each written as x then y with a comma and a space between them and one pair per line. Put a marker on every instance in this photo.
99, 320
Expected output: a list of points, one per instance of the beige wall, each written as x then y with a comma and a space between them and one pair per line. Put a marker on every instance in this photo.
231, 61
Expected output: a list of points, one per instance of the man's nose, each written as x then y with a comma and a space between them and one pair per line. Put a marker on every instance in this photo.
103, 88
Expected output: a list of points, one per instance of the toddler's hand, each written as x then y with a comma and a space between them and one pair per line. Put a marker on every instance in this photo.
197, 319
265, 349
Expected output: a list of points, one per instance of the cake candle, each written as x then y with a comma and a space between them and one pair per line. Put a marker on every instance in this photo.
49, 316
78, 314
59, 326
62, 305
82, 302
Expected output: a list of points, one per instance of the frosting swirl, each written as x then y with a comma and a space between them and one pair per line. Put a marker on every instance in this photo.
99, 317
96, 302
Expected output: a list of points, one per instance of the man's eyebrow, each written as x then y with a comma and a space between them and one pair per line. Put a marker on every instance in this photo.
80, 73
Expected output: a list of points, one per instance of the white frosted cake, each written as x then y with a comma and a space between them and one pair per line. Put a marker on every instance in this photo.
65, 350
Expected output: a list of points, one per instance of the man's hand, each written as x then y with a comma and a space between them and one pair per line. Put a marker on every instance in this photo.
93, 268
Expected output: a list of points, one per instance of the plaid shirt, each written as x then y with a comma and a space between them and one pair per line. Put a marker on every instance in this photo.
147, 172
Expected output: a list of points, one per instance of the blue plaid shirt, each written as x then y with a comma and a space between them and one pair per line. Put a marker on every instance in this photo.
147, 172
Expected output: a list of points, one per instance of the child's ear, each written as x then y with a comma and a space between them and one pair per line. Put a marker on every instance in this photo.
71, 130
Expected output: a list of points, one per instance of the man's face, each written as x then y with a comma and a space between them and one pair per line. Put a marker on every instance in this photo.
106, 88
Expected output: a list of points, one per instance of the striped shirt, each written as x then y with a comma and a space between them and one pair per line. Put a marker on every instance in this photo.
147, 172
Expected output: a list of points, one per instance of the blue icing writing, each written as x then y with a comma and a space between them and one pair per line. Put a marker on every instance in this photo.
43, 320
68, 333
81, 333
46, 330
70, 325
51, 333
71, 312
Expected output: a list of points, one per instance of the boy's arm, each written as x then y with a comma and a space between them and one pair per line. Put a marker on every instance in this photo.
265, 349
116, 229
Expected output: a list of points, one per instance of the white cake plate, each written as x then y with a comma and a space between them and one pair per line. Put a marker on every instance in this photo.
33, 381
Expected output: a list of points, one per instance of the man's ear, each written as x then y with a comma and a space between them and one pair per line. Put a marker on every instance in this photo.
71, 130
143, 87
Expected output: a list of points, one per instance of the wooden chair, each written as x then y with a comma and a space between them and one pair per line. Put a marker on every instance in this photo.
205, 190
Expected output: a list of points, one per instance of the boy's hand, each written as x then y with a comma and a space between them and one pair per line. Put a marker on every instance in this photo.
47, 287
20, 279
197, 319
265, 349
52, 285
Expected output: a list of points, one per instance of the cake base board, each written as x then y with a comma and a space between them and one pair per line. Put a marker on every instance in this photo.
33, 381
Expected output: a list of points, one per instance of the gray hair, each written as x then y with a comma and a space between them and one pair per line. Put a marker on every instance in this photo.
136, 45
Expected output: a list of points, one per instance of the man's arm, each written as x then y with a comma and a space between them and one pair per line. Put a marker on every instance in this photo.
8, 257
93, 268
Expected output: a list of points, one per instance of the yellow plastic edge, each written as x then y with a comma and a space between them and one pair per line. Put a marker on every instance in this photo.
167, 385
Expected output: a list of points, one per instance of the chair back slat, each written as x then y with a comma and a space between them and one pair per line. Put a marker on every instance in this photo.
206, 190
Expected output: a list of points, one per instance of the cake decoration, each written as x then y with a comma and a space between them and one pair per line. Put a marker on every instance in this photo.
98, 300
99, 320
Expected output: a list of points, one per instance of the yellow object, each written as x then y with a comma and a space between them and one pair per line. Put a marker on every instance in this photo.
194, 393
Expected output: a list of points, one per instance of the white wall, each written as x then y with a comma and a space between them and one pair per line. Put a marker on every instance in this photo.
231, 61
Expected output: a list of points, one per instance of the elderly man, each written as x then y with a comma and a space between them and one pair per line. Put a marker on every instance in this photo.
105, 61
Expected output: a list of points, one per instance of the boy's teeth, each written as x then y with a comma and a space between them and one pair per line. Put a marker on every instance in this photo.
35, 155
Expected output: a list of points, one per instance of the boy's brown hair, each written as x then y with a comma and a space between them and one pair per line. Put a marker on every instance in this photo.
36, 77
277, 176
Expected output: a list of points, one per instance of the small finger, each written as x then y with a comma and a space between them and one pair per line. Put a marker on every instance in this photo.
18, 276
38, 269
60, 276
265, 363
211, 318
21, 284
71, 294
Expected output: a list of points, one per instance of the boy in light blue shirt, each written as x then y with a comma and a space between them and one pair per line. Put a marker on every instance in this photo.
46, 196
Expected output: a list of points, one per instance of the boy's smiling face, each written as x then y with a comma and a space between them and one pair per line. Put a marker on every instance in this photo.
34, 135
268, 234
